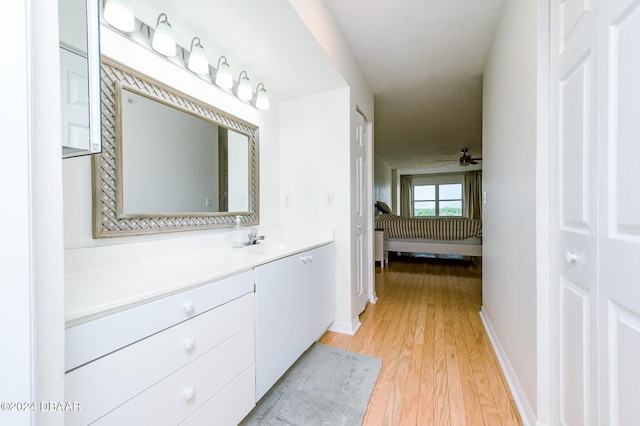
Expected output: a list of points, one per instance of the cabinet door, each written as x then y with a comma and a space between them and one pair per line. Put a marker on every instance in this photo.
320, 291
280, 319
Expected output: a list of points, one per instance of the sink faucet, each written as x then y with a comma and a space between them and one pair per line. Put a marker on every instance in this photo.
254, 238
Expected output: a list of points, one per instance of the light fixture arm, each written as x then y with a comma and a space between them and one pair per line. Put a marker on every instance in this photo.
222, 61
240, 76
163, 18
195, 43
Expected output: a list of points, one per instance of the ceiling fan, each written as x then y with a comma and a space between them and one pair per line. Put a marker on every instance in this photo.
466, 159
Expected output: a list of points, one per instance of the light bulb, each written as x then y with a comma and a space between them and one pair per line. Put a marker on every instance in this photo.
119, 14
224, 78
164, 42
262, 99
198, 62
244, 91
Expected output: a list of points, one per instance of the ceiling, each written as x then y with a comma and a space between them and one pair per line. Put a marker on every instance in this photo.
423, 60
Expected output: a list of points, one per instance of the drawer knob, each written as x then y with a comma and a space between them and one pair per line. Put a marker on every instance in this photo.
189, 344
188, 307
570, 257
189, 394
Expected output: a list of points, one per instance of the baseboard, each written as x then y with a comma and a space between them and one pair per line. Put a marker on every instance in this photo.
344, 327
526, 413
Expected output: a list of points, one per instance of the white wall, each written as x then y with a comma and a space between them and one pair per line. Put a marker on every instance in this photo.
316, 16
315, 161
382, 182
509, 179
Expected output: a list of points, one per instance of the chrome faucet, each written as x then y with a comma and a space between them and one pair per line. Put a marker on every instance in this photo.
254, 238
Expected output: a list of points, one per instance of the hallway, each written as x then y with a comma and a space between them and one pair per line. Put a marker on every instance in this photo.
438, 364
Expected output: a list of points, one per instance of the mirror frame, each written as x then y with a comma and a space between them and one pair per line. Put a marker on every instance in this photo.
108, 220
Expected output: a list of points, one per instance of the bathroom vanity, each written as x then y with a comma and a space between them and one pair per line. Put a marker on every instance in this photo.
184, 339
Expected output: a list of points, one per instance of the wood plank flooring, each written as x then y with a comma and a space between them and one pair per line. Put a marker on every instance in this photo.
438, 366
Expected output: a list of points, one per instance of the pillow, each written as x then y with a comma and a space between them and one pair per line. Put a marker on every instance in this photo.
383, 207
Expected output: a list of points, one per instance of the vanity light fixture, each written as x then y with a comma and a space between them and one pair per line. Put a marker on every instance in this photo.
262, 99
198, 62
119, 14
244, 90
164, 42
224, 78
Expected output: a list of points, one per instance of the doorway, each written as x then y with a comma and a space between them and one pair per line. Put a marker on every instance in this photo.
365, 289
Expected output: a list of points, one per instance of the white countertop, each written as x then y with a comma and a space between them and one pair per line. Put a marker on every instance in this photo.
101, 290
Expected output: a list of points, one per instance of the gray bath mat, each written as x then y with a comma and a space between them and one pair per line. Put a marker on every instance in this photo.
325, 386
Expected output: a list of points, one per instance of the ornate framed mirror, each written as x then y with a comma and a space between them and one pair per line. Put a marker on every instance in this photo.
169, 162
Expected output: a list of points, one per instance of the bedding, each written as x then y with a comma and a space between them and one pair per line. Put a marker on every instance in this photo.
383, 207
439, 228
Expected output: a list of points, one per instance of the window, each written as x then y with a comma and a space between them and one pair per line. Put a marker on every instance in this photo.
437, 200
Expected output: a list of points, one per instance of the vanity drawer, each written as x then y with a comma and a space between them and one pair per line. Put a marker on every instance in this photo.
111, 380
91, 340
174, 398
230, 405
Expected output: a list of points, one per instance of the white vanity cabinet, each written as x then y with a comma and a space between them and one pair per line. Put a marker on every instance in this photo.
194, 357
294, 306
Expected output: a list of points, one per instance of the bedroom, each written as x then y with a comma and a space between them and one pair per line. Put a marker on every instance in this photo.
516, 177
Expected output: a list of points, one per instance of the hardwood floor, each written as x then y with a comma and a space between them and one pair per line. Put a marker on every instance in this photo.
438, 366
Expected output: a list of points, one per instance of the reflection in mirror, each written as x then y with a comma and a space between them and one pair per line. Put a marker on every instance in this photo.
169, 162
196, 165
79, 76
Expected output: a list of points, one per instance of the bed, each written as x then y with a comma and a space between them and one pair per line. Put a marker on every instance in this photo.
434, 235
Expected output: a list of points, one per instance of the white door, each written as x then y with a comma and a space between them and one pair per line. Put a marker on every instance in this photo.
595, 210
361, 215
75, 100
619, 218
574, 124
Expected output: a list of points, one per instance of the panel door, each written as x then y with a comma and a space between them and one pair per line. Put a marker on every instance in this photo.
362, 211
619, 230
75, 100
596, 95
574, 209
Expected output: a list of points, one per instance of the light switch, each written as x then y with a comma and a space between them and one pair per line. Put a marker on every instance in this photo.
329, 199
484, 197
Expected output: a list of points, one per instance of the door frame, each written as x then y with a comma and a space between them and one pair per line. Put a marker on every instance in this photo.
34, 302
365, 271
371, 284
